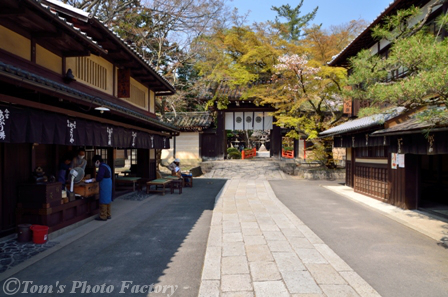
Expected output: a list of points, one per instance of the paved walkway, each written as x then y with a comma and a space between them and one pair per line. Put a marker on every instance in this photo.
260, 169
435, 228
257, 247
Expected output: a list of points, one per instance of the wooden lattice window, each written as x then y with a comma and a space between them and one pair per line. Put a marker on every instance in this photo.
371, 181
91, 72
138, 97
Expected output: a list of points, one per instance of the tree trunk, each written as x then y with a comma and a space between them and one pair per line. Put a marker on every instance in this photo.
328, 149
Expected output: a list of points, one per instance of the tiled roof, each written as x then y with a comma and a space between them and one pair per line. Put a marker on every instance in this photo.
64, 22
412, 125
82, 15
28, 77
362, 123
190, 121
224, 90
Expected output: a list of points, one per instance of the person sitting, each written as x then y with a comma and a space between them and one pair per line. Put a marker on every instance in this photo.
174, 167
64, 168
176, 171
79, 160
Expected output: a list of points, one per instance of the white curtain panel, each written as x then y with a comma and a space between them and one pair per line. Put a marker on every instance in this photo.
249, 120
239, 120
267, 121
229, 121
258, 121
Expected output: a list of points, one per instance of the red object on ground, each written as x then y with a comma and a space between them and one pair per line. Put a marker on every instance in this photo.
249, 154
40, 233
288, 154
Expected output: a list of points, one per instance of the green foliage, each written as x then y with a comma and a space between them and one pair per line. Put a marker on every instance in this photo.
238, 56
231, 134
288, 148
307, 99
295, 24
323, 152
415, 71
234, 155
232, 149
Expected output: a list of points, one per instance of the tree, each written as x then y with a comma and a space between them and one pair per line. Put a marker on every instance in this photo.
307, 100
264, 67
292, 29
105, 10
239, 57
326, 43
414, 74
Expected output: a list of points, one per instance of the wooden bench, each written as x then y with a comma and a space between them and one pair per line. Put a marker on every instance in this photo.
160, 182
127, 180
176, 184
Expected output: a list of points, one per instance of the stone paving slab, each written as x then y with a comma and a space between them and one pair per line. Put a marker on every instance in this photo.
263, 249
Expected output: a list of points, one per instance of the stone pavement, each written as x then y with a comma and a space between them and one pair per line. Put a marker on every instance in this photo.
258, 247
259, 168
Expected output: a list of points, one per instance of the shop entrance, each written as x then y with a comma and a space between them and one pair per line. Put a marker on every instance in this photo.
434, 184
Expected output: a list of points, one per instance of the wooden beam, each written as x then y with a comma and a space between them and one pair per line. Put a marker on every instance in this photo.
12, 12
27, 103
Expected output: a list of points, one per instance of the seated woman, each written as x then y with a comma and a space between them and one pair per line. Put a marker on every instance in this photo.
173, 166
176, 170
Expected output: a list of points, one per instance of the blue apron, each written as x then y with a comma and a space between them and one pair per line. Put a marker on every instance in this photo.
106, 187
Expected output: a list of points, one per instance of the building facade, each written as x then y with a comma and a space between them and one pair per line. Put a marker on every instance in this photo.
393, 157
67, 82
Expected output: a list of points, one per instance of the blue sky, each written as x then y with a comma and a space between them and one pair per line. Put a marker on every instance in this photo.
330, 12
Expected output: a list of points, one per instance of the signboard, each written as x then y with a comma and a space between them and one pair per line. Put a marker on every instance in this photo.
348, 106
397, 161
348, 102
124, 83
393, 161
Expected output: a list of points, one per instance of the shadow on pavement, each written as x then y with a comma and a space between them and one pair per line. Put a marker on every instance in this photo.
161, 242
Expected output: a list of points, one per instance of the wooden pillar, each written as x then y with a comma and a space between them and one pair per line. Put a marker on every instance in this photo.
221, 136
276, 142
153, 167
296, 148
111, 162
174, 146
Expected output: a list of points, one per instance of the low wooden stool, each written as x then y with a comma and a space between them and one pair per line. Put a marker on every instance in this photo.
188, 181
176, 184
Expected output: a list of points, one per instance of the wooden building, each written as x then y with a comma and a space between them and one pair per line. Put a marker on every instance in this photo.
394, 157
68, 82
188, 146
241, 115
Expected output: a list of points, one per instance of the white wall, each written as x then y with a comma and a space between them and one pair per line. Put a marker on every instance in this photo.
187, 147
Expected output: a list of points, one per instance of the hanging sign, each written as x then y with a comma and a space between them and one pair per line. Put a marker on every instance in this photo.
400, 160
393, 161
4, 116
72, 127
123, 83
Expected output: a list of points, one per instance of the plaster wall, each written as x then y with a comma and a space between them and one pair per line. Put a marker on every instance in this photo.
15, 43
48, 60
187, 147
